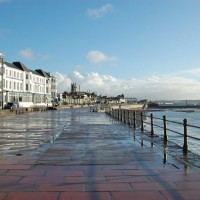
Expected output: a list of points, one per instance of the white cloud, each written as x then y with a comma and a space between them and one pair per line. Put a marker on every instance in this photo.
27, 53
152, 88
64, 82
100, 12
193, 72
97, 57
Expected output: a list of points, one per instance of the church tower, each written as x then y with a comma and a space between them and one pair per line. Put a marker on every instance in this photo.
73, 88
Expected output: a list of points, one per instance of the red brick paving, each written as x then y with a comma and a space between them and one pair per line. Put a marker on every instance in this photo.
127, 179
84, 196
9, 179
32, 196
106, 187
181, 194
85, 179
60, 187
14, 166
41, 180
2, 172
136, 195
2, 196
17, 187
27, 173
97, 160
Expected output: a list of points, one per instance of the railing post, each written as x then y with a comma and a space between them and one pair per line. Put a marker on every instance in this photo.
124, 116
152, 131
128, 118
185, 145
134, 119
165, 129
118, 115
120, 110
121, 115
142, 125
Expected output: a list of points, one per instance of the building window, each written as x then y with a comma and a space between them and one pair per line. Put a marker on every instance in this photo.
26, 76
20, 86
14, 85
10, 85
26, 87
10, 73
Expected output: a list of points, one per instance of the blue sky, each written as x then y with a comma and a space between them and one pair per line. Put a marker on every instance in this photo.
143, 48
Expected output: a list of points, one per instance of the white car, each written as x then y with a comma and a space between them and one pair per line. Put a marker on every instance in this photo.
15, 105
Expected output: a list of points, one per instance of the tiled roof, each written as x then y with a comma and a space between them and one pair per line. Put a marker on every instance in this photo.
12, 65
43, 73
21, 66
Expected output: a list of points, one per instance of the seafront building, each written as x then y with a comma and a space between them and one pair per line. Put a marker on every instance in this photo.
25, 87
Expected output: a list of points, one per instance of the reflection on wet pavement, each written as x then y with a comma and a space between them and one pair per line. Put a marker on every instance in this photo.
21, 134
84, 138
95, 138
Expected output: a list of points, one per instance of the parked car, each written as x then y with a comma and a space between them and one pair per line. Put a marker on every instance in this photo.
8, 105
11, 105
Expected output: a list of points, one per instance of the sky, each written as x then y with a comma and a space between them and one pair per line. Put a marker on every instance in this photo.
148, 49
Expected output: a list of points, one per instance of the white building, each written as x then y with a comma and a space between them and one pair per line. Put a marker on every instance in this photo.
27, 87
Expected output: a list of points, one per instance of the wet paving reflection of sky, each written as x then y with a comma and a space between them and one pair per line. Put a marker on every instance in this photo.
23, 133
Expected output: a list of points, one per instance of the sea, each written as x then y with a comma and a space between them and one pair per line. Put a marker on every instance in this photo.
176, 130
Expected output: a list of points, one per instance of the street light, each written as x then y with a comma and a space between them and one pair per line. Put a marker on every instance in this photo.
1, 72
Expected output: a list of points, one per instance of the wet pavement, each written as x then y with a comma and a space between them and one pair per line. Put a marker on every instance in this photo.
76, 154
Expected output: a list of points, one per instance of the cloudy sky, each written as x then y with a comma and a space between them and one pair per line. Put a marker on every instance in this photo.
142, 48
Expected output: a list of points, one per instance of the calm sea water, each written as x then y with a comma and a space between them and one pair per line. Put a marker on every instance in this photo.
178, 115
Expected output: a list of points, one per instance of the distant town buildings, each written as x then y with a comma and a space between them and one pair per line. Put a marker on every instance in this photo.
27, 87
112, 100
78, 97
82, 98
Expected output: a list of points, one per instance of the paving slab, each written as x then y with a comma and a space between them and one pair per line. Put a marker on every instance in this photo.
95, 158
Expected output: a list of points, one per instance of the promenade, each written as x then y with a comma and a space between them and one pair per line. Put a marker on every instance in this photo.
90, 157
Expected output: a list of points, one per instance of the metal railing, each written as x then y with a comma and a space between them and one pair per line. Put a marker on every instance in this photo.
138, 119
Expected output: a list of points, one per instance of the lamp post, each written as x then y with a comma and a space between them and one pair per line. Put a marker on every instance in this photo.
2, 83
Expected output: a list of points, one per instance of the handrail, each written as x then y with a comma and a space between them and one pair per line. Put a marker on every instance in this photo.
137, 117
